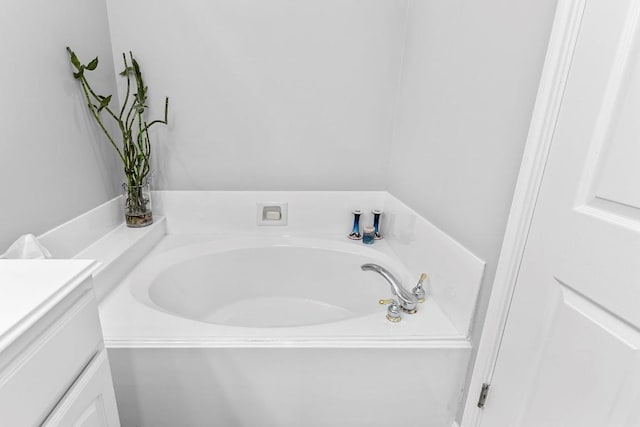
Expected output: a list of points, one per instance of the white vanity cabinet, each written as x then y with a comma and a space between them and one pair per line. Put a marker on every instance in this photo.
54, 369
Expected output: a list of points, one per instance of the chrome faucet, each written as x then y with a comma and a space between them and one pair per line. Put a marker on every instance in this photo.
408, 301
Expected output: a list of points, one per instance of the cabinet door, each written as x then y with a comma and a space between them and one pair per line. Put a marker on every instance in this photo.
91, 402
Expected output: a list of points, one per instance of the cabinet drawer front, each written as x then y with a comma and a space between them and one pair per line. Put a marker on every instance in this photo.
91, 402
32, 384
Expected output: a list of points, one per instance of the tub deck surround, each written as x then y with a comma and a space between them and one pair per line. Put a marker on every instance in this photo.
119, 251
100, 234
454, 273
69, 239
144, 311
212, 212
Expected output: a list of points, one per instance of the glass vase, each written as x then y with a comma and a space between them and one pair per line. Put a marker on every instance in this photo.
137, 204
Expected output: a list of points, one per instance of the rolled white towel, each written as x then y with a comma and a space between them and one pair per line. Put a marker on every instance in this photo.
26, 247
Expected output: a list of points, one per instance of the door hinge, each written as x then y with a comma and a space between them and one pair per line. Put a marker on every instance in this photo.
483, 395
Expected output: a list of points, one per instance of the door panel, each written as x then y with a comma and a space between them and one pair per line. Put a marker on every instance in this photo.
570, 363
619, 127
91, 401
93, 415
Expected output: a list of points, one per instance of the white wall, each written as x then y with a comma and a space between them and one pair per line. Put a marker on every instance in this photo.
470, 77
469, 81
53, 165
268, 95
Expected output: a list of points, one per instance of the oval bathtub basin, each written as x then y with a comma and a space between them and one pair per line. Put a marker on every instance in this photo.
270, 286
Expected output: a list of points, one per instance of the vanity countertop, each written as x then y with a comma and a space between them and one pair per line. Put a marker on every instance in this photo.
29, 288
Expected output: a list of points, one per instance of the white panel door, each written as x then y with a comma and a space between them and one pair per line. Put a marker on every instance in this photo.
570, 350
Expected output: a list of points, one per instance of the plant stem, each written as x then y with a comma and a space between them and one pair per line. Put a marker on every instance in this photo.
135, 151
98, 119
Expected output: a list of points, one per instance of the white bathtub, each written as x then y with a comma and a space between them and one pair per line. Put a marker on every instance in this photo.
276, 331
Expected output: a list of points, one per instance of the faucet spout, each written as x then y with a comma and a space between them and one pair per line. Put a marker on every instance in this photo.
408, 301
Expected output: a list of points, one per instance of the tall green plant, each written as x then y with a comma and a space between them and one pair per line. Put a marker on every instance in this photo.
133, 146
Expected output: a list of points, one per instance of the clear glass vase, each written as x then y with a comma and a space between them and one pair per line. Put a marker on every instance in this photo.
137, 204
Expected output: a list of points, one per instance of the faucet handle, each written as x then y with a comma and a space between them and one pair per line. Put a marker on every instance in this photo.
418, 290
393, 312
